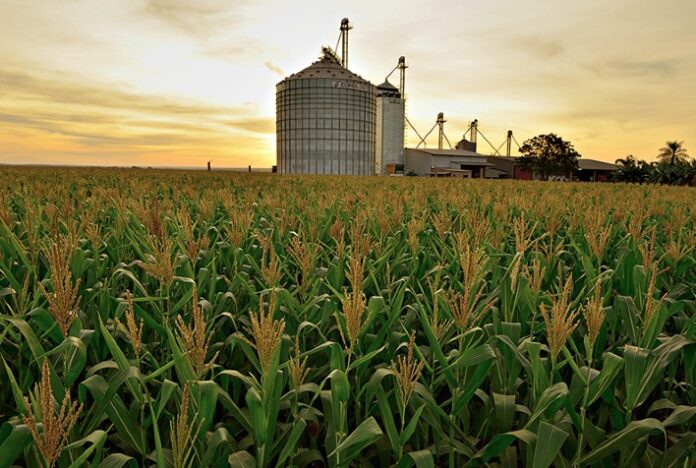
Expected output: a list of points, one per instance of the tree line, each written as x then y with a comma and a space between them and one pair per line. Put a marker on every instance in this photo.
549, 155
674, 166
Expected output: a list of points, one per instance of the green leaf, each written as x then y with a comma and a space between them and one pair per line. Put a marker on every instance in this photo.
685, 446
242, 459
159, 452
660, 358
233, 410
161, 370
76, 360
681, 415
574, 366
472, 384
13, 440
611, 366
411, 427
500, 442
626, 309
364, 435
419, 459
126, 426
474, 356
95, 439
504, 411
217, 446
16, 391
118, 460
540, 376
624, 439
636, 362
46, 325
510, 346
436, 348
366, 358
386, 413
205, 394
549, 442
257, 416
340, 387
37, 349
290, 445
182, 365
120, 359
554, 395
374, 385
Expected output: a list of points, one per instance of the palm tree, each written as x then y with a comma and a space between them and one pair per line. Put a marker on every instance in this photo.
673, 152
629, 160
629, 169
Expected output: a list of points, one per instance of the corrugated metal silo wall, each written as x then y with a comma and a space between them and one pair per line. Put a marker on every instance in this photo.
325, 126
390, 132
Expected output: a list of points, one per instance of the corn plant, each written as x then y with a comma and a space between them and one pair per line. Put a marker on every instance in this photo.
182, 318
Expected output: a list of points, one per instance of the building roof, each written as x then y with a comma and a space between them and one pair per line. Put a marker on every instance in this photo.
326, 67
584, 164
448, 152
595, 165
434, 170
511, 159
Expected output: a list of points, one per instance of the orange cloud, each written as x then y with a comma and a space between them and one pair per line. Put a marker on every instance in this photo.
174, 82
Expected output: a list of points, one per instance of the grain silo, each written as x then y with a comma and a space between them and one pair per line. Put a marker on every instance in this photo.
389, 152
325, 121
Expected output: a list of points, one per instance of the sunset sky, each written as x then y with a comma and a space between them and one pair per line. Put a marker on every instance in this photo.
178, 83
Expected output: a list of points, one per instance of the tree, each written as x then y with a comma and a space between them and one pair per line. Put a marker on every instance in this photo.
673, 152
683, 173
327, 51
627, 161
629, 169
549, 155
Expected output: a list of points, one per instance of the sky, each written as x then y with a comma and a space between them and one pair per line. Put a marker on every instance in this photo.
180, 83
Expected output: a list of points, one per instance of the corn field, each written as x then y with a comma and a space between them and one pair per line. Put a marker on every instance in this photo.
172, 318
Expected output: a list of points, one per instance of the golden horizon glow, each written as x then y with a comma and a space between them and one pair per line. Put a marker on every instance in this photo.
179, 83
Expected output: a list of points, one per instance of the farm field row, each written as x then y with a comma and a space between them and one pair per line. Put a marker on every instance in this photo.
178, 318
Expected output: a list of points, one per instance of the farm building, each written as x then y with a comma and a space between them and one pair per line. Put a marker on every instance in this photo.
445, 163
592, 170
470, 164
330, 120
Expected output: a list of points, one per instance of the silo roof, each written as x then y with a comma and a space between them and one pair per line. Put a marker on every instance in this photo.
387, 89
388, 85
326, 67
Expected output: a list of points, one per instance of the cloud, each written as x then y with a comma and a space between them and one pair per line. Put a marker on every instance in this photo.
22, 85
539, 47
264, 125
199, 18
233, 50
101, 132
661, 68
275, 69
96, 120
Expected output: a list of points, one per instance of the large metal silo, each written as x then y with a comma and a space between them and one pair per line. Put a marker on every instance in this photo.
325, 121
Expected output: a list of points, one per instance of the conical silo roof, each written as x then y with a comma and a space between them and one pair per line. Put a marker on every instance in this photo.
388, 89
326, 67
387, 86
